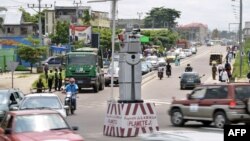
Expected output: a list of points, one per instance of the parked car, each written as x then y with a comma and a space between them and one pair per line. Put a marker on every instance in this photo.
10, 98
54, 61
43, 101
37, 125
190, 80
154, 61
115, 74
144, 68
222, 104
182, 135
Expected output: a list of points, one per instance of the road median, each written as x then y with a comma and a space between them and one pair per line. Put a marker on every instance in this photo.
147, 77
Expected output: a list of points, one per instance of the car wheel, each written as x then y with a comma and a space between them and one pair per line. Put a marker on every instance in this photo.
177, 117
206, 123
220, 119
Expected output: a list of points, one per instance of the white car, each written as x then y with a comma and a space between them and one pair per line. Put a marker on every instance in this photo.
108, 75
182, 135
43, 101
182, 55
188, 52
162, 61
153, 60
193, 50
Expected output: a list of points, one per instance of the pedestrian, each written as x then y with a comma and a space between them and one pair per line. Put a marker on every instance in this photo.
46, 70
39, 86
56, 78
50, 80
224, 76
228, 69
230, 56
220, 68
214, 70
59, 79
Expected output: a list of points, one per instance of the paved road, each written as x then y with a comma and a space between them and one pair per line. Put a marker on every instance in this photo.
92, 107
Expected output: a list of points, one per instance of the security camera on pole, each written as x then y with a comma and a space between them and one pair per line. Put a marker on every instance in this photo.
130, 116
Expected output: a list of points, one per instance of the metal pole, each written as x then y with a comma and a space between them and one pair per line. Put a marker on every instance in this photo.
113, 47
40, 22
240, 38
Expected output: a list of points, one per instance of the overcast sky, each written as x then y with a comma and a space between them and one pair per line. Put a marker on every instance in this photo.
214, 13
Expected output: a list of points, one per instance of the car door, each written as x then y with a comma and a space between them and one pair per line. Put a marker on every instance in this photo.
192, 107
213, 99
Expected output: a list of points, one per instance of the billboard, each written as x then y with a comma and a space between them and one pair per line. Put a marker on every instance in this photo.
80, 33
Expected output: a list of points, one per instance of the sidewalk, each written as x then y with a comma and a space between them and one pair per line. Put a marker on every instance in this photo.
23, 81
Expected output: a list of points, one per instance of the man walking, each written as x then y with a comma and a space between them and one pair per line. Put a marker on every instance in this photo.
214, 70
56, 79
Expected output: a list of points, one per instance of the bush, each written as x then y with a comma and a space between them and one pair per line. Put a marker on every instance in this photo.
22, 68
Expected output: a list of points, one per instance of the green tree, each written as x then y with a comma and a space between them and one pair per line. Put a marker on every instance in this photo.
161, 17
62, 33
31, 53
86, 18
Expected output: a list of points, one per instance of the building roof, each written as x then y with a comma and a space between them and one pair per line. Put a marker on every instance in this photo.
12, 18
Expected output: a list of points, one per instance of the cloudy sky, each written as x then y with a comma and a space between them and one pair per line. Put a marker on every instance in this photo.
214, 13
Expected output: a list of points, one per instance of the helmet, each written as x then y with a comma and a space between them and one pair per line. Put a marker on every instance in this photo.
71, 80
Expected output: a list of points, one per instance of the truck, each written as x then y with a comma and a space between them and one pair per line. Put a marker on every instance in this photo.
182, 43
85, 66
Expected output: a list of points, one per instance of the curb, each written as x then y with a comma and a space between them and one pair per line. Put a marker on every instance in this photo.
146, 78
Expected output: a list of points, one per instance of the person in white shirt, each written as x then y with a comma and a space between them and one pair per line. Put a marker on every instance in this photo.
224, 76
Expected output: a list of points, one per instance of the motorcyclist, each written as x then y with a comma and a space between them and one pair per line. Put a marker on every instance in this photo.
168, 69
188, 68
72, 88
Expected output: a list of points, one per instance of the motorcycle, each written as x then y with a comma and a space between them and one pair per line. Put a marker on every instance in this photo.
168, 73
69, 102
160, 73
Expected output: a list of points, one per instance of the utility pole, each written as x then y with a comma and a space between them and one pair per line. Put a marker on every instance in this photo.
39, 6
240, 39
77, 6
140, 15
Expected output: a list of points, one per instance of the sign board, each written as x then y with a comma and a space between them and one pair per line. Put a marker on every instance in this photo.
80, 32
130, 119
144, 39
12, 66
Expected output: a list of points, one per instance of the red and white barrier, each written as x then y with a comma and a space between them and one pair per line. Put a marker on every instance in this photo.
130, 119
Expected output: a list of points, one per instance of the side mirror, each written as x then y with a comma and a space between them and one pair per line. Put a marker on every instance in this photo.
74, 128
7, 131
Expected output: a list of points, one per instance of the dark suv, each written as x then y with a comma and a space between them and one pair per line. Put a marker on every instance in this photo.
219, 103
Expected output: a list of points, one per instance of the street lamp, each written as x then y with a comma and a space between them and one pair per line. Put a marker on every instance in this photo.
113, 9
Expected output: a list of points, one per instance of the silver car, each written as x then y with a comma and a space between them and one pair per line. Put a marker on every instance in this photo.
43, 101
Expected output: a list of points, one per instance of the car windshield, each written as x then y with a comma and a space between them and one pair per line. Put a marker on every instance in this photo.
79, 59
39, 123
3, 97
191, 75
41, 102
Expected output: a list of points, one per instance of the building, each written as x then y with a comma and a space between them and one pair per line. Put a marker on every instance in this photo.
74, 15
196, 32
14, 25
